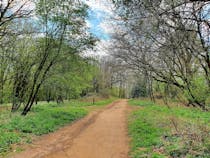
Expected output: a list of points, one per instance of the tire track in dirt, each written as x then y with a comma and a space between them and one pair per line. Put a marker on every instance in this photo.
102, 134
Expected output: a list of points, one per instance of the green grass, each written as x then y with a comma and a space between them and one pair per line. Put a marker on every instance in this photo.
78, 103
42, 119
140, 103
153, 131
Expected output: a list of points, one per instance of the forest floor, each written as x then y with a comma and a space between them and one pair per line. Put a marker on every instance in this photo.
101, 134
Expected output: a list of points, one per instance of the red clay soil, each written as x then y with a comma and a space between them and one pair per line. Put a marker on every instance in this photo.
102, 134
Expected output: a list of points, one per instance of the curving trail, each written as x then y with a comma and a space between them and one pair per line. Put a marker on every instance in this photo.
102, 134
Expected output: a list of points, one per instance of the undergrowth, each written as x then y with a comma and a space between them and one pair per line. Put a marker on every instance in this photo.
177, 132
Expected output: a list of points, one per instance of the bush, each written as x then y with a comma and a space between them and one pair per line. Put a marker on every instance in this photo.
207, 102
199, 90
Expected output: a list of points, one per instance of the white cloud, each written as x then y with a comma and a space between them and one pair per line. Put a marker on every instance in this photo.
103, 5
107, 27
103, 9
89, 25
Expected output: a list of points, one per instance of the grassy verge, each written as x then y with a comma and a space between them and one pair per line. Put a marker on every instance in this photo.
43, 118
157, 131
78, 103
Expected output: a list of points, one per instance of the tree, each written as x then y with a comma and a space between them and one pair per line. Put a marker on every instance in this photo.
37, 48
69, 79
167, 41
12, 10
63, 23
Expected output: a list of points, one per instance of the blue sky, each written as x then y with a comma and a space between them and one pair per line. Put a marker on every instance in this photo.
98, 22
95, 19
99, 11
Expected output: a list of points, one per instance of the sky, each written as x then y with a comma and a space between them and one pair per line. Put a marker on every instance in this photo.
99, 25
95, 21
98, 17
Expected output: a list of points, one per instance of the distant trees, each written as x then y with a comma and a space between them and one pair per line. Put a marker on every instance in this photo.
11, 11
166, 41
113, 78
68, 80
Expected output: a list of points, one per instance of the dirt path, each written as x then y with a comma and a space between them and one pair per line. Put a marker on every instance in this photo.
102, 134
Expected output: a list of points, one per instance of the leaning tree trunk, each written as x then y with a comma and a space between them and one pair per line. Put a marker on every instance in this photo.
35, 89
